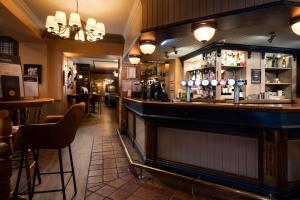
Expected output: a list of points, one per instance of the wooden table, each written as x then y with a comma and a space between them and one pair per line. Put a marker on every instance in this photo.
25, 103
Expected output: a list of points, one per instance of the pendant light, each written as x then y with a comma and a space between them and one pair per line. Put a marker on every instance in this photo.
204, 31
295, 25
147, 46
134, 59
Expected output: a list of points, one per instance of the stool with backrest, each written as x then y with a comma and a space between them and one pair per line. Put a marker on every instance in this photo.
51, 135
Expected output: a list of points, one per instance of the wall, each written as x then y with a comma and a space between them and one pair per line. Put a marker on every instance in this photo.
53, 55
123, 76
36, 53
57, 48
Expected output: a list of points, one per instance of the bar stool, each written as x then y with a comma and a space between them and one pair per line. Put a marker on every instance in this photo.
98, 100
49, 135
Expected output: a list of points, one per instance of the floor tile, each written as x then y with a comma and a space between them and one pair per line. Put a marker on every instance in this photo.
119, 195
106, 191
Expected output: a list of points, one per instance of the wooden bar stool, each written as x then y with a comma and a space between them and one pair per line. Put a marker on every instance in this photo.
49, 135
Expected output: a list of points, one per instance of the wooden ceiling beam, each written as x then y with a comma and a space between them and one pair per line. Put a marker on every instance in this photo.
20, 14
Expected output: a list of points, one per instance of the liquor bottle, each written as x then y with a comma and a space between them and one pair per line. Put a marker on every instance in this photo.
238, 59
283, 63
273, 60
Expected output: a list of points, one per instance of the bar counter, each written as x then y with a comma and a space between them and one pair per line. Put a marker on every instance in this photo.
255, 147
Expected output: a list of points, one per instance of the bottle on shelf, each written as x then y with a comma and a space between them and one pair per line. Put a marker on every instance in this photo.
274, 61
283, 62
238, 59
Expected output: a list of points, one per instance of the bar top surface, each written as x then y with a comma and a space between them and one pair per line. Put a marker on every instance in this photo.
217, 105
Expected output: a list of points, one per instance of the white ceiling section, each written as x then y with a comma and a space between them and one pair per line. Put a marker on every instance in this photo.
113, 13
104, 65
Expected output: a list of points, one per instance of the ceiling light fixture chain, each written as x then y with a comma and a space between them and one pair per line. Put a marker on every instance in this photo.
91, 30
77, 6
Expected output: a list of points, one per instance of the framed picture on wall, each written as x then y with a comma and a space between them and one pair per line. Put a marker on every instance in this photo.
255, 76
33, 70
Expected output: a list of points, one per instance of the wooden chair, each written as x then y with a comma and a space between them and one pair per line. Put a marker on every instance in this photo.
49, 135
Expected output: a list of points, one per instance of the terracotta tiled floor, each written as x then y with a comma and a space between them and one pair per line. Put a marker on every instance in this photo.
109, 176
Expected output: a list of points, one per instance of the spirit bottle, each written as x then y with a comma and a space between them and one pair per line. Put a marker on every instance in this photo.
283, 63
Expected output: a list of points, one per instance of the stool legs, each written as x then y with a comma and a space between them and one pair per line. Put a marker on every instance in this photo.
36, 170
36, 174
62, 174
73, 172
19, 174
28, 176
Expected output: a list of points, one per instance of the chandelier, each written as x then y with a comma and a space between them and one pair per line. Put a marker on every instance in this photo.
91, 30
108, 81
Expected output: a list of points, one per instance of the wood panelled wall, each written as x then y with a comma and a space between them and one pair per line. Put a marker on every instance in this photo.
226, 153
163, 12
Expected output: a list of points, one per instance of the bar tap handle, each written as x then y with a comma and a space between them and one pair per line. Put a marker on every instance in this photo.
188, 90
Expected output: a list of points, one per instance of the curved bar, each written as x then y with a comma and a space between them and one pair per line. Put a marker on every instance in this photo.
250, 146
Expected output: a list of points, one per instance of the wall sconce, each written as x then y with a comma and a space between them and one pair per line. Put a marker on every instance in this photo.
204, 31
80, 76
272, 36
147, 46
166, 54
295, 25
175, 50
134, 59
116, 74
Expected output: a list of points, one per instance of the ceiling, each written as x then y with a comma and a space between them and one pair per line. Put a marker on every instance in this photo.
113, 13
251, 28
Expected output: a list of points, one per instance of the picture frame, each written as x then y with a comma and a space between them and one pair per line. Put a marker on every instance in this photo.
33, 70
255, 76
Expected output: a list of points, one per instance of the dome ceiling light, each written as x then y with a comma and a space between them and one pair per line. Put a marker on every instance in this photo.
147, 46
295, 25
134, 59
91, 30
204, 31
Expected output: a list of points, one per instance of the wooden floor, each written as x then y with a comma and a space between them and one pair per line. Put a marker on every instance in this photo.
102, 170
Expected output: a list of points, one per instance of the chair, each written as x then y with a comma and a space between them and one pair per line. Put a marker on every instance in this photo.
50, 135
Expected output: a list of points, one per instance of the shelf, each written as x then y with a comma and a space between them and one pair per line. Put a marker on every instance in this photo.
207, 68
276, 69
233, 67
277, 83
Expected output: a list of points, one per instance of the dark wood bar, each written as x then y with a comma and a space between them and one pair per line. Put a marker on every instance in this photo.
247, 146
